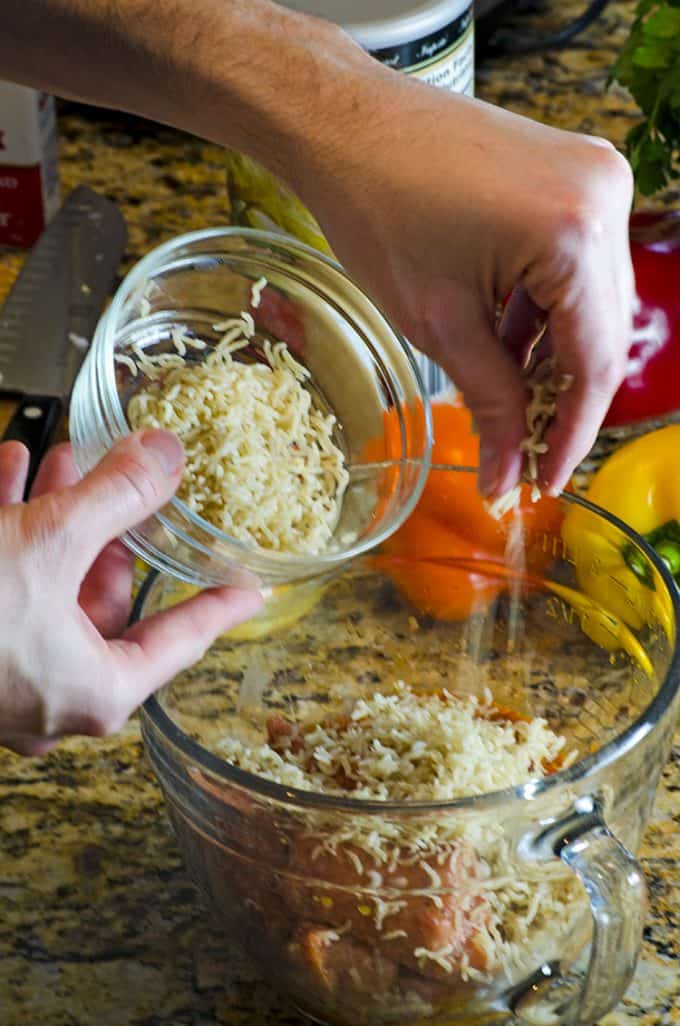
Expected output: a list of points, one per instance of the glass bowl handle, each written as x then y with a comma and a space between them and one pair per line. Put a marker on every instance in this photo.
617, 893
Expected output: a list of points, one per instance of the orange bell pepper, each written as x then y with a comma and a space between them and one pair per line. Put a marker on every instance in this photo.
431, 567
432, 557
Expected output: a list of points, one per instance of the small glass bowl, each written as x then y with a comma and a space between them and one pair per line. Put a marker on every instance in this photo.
361, 370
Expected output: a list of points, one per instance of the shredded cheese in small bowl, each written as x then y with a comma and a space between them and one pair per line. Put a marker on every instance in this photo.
275, 371
262, 462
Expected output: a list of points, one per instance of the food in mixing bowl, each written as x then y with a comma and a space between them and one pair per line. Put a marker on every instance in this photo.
262, 463
439, 934
381, 904
404, 745
345, 964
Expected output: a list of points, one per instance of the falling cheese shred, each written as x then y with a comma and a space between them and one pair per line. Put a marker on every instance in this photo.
261, 462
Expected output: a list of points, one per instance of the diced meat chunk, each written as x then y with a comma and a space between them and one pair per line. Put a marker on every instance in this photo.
402, 908
340, 964
284, 736
425, 989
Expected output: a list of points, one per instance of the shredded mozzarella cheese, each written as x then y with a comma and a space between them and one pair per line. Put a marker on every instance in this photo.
406, 746
256, 292
261, 462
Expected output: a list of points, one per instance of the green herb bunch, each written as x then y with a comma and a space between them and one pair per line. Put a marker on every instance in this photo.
649, 67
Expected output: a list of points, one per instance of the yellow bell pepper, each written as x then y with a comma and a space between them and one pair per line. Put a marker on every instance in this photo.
265, 202
640, 485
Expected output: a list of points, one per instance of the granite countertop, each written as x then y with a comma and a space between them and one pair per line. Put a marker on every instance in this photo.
99, 925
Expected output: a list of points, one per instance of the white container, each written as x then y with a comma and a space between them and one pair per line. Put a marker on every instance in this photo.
29, 179
434, 41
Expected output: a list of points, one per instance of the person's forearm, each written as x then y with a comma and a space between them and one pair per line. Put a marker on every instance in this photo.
242, 72
440, 206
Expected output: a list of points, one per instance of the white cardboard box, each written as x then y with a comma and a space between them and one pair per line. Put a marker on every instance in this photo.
29, 175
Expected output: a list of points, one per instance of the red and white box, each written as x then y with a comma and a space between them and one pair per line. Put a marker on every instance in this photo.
29, 170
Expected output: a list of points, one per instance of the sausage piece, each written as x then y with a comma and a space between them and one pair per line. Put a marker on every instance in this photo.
400, 909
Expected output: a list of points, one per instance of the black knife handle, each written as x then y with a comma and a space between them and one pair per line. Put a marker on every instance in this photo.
34, 423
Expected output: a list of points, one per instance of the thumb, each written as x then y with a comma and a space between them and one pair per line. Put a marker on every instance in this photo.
138, 476
493, 389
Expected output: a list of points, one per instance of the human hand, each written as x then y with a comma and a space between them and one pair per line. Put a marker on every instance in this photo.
68, 662
441, 207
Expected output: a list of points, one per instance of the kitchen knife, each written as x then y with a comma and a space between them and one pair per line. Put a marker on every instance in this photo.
50, 314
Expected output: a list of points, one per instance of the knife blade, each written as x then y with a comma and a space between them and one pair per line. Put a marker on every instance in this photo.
50, 314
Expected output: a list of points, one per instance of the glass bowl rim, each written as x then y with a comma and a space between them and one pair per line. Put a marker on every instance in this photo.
297, 564
531, 789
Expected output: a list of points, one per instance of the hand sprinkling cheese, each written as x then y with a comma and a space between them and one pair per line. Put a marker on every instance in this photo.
544, 388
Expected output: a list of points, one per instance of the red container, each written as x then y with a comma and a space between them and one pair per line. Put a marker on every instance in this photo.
651, 389
29, 180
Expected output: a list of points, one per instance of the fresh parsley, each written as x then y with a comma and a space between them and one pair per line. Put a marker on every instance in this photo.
649, 67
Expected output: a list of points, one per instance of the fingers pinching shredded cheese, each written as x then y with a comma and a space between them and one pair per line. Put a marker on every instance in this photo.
541, 408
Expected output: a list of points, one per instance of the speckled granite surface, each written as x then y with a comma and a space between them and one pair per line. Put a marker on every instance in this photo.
98, 923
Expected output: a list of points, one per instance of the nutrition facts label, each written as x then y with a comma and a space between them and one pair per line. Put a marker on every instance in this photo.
444, 58
453, 69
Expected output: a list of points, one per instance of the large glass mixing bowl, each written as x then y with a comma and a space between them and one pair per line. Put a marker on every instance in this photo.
575, 622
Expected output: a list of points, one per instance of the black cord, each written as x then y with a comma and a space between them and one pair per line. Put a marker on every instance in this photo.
519, 48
